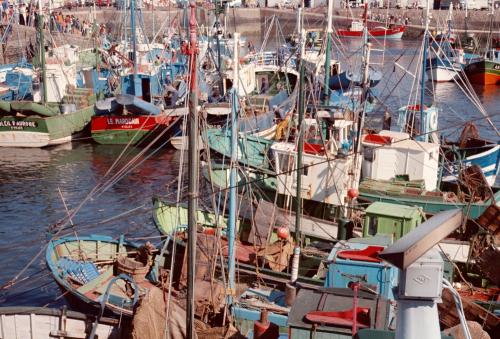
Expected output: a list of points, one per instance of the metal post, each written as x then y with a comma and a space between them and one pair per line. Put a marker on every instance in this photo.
135, 79
42, 52
300, 147
234, 160
217, 39
329, 31
423, 135
193, 172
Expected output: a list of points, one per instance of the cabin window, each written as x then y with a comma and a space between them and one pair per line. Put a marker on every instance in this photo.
369, 155
285, 162
372, 225
305, 169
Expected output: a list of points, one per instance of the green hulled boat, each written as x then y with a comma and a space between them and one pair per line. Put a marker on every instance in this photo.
252, 150
168, 218
31, 124
410, 194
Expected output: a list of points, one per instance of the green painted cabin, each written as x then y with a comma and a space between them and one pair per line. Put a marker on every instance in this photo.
392, 219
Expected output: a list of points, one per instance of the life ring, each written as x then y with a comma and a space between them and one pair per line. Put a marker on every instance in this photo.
106, 44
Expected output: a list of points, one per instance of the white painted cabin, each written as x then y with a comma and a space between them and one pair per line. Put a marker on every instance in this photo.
389, 153
328, 171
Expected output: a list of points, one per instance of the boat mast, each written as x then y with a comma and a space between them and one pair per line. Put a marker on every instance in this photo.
234, 161
193, 171
365, 60
423, 135
490, 34
218, 11
135, 79
329, 32
42, 52
300, 147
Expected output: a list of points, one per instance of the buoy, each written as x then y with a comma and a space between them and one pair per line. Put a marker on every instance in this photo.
352, 193
283, 232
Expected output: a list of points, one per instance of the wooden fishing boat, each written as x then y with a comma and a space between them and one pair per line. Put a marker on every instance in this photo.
484, 72
381, 32
125, 129
100, 272
30, 124
470, 149
252, 151
406, 193
487, 70
39, 322
357, 28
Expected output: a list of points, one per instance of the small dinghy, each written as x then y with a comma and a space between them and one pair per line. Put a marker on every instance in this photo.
101, 272
40, 322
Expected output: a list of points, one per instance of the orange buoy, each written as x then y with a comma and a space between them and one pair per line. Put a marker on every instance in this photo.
283, 232
352, 193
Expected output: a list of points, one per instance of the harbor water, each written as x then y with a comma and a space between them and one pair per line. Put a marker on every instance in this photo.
36, 184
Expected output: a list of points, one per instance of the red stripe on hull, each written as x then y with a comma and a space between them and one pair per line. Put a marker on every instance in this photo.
373, 32
126, 123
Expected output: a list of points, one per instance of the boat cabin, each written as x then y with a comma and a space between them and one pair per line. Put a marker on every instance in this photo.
391, 219
355, 261
389, 154
322, 181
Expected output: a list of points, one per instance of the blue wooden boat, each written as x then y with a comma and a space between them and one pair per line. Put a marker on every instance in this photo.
96, 271
475, 151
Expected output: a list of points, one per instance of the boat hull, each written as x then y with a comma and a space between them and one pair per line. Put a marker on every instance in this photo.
484, 72
130, 130
442, 74
383, 33
488, 161
473, 210
181, 143
99, 248
41, 322
35, 131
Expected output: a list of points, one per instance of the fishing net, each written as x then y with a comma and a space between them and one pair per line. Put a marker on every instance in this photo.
475, 329
149, 319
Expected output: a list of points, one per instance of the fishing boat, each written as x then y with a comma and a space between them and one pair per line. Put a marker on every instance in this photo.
138, 121
148, 106
99, 272
411, 194
38, 322
381, 32
447, 61
356, 29
487, 70
470, 149
53, 115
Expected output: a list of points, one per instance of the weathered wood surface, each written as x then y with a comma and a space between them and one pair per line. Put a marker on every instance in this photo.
449, 317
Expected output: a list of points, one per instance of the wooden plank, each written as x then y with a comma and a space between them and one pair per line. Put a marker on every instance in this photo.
449, 317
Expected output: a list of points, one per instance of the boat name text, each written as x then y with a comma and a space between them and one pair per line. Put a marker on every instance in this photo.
123, 121
18, 124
